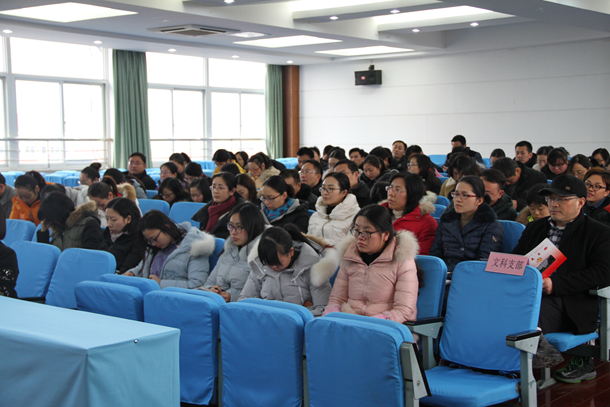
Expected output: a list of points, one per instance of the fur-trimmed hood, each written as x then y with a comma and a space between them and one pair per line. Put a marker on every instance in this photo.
406, 248
484, 214
429, 197
127, 191
85, 210
202, 243
269, 172
426, 207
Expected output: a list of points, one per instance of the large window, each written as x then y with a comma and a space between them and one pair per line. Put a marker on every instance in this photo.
197, 110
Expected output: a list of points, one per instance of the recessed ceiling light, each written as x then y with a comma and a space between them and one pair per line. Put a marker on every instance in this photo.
324, 4
247, 34
172, 50
395, 11
7, 31
334, 17
66, 12
423, 15
474, 24
290, 62
235, 56
416, 30
229, 1
98, 42
292, 41
349, 52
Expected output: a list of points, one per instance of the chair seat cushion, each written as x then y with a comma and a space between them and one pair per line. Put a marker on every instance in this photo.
564, 341
467, 388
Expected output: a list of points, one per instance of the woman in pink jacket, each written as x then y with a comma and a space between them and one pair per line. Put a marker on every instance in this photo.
377, 275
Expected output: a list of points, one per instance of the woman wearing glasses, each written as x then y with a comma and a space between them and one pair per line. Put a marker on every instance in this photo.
422, 165
260, 169
408, 211
335, 209
176, 255
213, 217
246, 223
470, 230
597, 181
281, 270
280, 208
171, 191
169, 169
377, 275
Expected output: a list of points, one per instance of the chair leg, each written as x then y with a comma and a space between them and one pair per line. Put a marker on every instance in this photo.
546, 379
428, 352
528, 382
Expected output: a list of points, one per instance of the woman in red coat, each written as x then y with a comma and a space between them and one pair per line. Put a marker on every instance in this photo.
408, 213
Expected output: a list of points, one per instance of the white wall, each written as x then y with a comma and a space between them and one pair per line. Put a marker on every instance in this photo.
549, 95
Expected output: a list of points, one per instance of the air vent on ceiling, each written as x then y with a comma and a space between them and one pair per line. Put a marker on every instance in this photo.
192, 30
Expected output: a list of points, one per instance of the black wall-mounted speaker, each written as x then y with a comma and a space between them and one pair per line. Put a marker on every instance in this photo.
370, 77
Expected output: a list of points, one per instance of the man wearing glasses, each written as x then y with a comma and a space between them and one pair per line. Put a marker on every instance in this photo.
566, 304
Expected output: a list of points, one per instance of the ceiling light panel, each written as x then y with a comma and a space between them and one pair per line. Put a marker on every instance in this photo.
375, 50
66, 12
435, 14
305, 5
292, 41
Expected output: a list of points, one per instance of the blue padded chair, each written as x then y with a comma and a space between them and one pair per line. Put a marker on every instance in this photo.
37, 262
262, 339
219, 244
357, 360
145, 285
184, 211
150, 193
195, 313
150, 204
487, 162
438, 159
430, 304
512, 234
74, 266
71, 181
155, 177
438, 210
490, 324
441, 200
311, 212
115, 300
18, 230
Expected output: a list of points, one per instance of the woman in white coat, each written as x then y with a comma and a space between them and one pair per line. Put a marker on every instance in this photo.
335, 209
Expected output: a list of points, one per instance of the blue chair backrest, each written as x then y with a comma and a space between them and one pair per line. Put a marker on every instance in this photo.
262, 339
143, 284
487, 162
155, 177
150, 193
10, 179
311, 212
438, 220
184, 211
218, 246
18, 230
207, 165
438, 159
37, 263
441, 200
482, 308
431, 295
512, 234
438, 210
57, 177
150, 204
74, 266
336, 375
71, 181
115, 300
196, 315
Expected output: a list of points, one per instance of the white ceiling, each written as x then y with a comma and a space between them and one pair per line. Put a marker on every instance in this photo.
514, 23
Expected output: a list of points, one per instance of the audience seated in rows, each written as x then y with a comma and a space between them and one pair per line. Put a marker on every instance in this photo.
460, 141
519, 180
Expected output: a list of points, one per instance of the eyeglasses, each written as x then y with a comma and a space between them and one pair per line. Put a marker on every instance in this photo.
557, 165
395, 190
167, 195
165, 173
269, 199
358, 234
217, 188
306, 172
412, 165
329, 190
551, 201
462, 195
234, 228
596, 188
154, 239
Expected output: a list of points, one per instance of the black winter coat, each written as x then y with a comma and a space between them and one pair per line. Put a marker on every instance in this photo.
585, 244
127, 250
528, 178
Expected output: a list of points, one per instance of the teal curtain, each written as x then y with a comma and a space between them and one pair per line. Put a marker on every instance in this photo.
131, 133
273, 106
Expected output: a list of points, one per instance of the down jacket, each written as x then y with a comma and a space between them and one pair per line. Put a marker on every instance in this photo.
188, 266
334, 226
82, 230
387, 287
294, 284
258, 181
482, 235
23, 211
232, 269
420, 222
297, 214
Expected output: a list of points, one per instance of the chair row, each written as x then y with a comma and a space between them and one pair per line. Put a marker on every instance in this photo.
179, 212
258, 352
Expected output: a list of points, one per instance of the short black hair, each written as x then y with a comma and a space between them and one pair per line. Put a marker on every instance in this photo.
279, 185
353, 167
507, 166
316, 165
173, 168
556, 155
103, 188
290, 173
544, 150
221, 155
498, 153
375, 161
337, 153
140, 155
193, 169
526, 144
328, 148
55, 208
459, 139
381, 152
116, 175
91, 173
305, 151
533, 194
231, 168
2, 179
359, 151
27, 182
401, 142
495, 177
315, 149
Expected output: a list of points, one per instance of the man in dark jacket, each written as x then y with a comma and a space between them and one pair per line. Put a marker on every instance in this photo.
566, 302
358, 188
495, 182
519, 179
460, 141
524, 154
302, 191
137, 169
